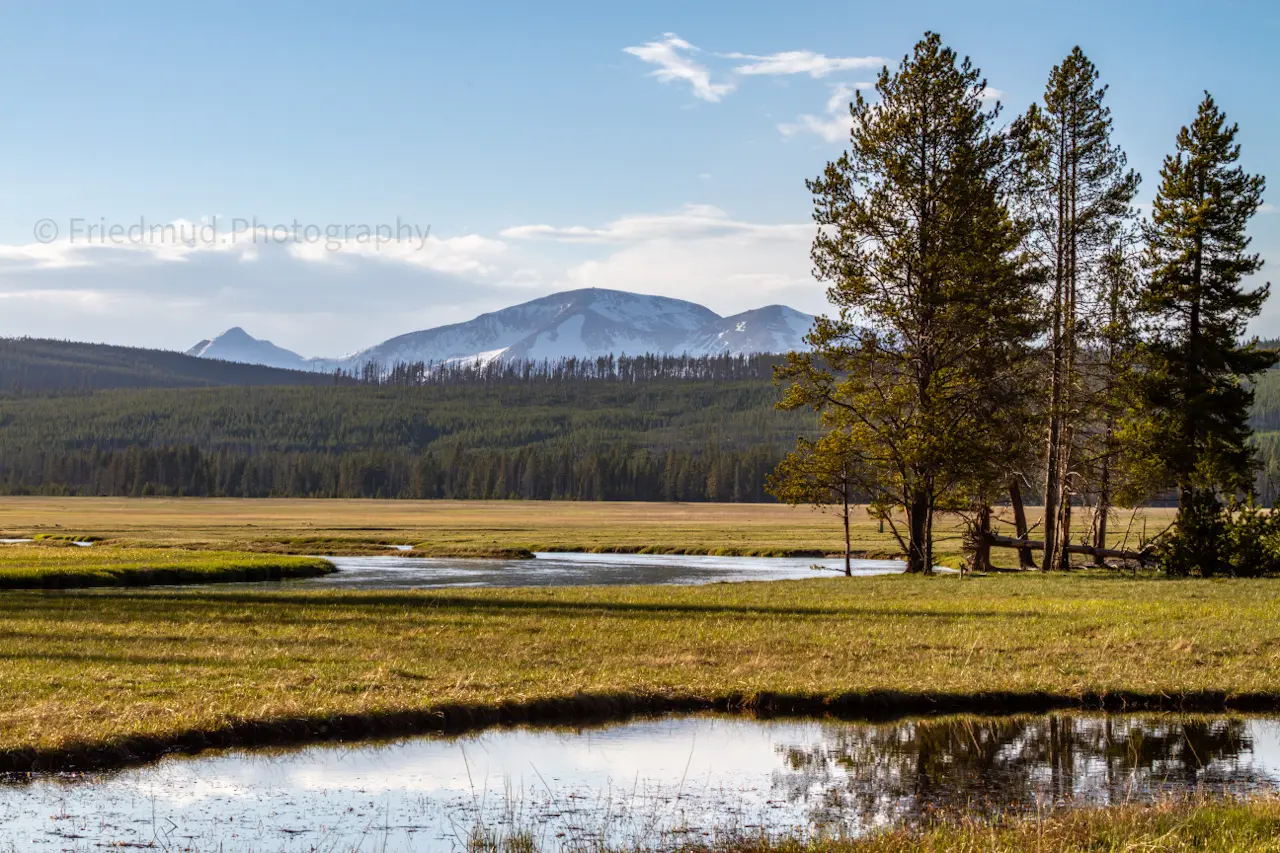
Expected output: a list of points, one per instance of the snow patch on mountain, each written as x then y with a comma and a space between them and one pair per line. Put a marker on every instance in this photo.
578, 323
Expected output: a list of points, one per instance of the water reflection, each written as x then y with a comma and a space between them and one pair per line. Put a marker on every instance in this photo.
644, 782
860, 776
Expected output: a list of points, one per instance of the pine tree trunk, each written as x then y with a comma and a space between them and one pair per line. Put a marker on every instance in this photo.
1053, 457
1025, 560
982, 545
848, 565
918, 559
1070, 335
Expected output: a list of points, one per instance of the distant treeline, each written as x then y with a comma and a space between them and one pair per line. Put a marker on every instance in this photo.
572, 438
609, 368
38, 366
620, 428
530, 473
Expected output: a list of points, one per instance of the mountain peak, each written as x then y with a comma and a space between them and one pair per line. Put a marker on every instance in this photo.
583, 323
235, 344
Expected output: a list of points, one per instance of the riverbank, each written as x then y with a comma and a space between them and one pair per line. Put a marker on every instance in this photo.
494, 528
117, 676
65, 566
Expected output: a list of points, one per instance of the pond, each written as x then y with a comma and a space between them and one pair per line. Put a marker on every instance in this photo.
573, 569
646, 781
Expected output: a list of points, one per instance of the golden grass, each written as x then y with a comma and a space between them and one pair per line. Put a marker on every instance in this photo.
1174, 827
481, 528
138, 669
68, 566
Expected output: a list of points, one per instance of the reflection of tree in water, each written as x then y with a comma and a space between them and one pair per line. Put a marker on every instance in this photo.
865, 775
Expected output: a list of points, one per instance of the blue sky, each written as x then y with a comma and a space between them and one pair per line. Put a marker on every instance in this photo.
659, 147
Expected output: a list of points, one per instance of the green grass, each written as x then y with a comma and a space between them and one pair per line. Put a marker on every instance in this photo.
126, 673
1250, 827
53, 567
1171, 827
500, 528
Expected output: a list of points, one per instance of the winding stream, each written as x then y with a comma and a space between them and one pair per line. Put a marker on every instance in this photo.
647, 781
575, 569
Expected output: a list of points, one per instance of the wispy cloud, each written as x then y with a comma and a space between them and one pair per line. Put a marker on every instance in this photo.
672, 56
835, 122
801, 62
691, 222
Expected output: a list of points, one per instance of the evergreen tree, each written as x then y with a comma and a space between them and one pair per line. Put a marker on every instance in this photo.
822, 473
1078, 193
933, 296
1195, 387
1112, 366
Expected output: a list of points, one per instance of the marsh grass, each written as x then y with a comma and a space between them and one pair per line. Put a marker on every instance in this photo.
47, 566
1175, 826
498, 528
114, 676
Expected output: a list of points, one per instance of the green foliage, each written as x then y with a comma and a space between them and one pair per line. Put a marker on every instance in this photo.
819, 472
923, 364
1196, 545
1077, 191
823, 473
587, 439
1194, 387
1252, 541
1210, 539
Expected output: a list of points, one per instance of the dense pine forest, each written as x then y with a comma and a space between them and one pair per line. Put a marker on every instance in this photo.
30, 365
648, 428
613, 429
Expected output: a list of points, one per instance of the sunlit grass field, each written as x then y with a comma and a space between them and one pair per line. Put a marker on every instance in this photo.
1172, 827
47, 566
497, 528
132, 669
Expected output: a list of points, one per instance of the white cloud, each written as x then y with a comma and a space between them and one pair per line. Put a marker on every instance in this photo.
990, 94
182, 241
834, 124
690, 222
671, 57
801, 62
325, 302
1267, 208
698, 252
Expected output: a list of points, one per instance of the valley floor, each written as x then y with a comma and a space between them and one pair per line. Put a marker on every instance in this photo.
498, 528
110, 676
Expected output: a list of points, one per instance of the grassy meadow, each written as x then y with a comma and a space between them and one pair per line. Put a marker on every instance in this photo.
65, 566
494, 528
113, 676
1171, 827
123, 674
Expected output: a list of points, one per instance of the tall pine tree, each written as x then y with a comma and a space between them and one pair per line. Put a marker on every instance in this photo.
1195, 387
1079, 191
935, 307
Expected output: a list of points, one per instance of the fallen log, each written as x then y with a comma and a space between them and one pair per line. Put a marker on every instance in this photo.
998, 541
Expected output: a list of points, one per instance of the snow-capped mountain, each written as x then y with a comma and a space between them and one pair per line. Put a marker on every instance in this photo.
582, 323
774, 328
238, 345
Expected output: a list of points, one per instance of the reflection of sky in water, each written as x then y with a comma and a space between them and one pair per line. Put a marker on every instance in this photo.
555, 569
642, 782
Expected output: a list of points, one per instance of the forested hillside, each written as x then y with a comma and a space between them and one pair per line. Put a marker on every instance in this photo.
567, 438
29, 365
647, 428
